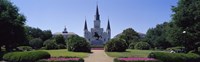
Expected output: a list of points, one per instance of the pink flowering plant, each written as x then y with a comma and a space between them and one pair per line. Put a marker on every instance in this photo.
135, 59
62, 59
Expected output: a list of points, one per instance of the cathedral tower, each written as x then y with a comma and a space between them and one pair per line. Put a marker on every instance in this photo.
97, 21
97, 35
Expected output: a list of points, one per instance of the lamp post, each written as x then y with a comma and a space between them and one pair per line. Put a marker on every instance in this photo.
184, 32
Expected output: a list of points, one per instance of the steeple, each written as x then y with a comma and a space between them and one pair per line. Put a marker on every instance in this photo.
108, 26
97, 16
85, 27
65, 30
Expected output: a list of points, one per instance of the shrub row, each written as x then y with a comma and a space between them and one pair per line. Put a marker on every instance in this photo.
175, 57
136, 60
30, 56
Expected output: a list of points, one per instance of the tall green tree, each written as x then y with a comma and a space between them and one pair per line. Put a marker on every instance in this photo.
129, 35
157, 37
38, 33
12, 31
187, 18
46, 35
34, 32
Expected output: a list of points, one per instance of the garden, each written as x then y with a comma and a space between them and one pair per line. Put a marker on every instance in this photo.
174, 41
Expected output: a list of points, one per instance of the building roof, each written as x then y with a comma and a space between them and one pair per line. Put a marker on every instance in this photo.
60, 33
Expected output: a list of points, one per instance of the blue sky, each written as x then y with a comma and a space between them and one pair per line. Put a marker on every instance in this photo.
55, 14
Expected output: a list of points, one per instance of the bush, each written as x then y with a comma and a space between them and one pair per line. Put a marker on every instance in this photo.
62, 59
30, 56
24, 48
61, 46
50, 44
116, 45
78, 44
59, 39
36, 43
132, 45
142, 46
175, 57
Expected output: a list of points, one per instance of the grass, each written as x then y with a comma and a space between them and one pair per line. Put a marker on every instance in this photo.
64, 52
131, 53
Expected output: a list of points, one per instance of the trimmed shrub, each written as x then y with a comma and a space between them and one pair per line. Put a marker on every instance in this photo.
30, 56
116, 45
136, 60
142, 46
62, 59
50, 44
61, 46
78, 44
24, 48
36, 43
175, 57
59, 39
132, 45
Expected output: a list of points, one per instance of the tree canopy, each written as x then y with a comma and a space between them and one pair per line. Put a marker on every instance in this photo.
187, 18
183, 30
129, 35
12, 31
38, 33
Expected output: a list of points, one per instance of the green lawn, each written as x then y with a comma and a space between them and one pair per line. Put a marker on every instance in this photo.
131, 53
64, 52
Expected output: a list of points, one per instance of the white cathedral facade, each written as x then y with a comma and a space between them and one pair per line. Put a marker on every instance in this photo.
97, 35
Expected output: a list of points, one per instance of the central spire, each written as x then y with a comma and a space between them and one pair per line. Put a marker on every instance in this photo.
97, 16
108, 26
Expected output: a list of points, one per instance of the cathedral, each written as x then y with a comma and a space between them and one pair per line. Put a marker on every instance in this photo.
97, 35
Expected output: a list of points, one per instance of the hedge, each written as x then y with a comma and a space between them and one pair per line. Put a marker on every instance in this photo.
30, 56
175, 57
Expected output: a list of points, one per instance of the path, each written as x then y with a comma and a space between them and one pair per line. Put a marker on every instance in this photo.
98, 56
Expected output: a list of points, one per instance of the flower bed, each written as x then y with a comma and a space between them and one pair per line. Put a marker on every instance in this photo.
62, 59
135, 60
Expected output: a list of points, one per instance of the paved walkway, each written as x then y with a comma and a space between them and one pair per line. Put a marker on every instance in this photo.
98, 56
